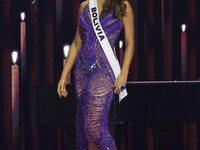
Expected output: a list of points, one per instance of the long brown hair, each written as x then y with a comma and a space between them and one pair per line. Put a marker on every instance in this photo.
118, 5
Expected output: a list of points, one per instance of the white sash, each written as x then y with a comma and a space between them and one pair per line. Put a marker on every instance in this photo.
101, 36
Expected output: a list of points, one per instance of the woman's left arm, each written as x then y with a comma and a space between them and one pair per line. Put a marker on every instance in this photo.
128, 23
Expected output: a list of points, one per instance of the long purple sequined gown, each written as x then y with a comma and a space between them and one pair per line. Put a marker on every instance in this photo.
94, 80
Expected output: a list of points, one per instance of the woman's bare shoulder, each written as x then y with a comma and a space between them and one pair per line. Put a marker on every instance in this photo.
129, 9
83, 4
127, 3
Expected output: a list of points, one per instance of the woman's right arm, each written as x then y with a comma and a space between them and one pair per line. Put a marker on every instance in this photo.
73, 52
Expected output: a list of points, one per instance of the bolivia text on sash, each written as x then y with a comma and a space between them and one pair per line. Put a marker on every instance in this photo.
96, 23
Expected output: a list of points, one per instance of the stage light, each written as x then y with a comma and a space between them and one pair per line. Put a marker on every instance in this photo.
15, 98
33, 2
121, 44
184, 52
121, 52
66, 50
22, 16
14, 56
183, 26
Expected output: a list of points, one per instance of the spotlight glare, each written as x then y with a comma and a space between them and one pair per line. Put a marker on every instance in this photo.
14, 56
22, 16
183, 26
121, 44
66, 50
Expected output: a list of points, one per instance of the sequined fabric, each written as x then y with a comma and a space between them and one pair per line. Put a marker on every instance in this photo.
94, 82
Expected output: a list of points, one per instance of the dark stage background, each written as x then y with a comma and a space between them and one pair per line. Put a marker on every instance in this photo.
52, 23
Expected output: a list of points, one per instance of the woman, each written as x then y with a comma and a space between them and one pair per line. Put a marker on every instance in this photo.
95, 82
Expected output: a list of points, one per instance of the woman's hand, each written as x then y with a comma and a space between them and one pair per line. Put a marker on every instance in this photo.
120, 81
61, 90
